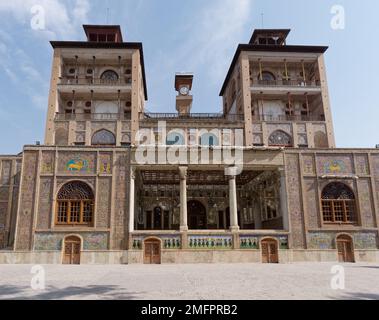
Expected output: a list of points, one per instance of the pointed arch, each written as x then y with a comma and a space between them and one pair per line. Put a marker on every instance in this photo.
103, 138
280, 138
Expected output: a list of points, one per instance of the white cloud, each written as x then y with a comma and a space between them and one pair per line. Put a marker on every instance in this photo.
62, 21
62, 18
214, 33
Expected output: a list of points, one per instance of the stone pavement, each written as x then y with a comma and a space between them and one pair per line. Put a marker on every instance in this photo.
193, 282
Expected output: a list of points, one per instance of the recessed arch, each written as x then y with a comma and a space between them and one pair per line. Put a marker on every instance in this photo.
103, 138
72, 247
175, 138
197, 215
345, 247
75, 204
338, 204
152, 247
209, 139
280, 138
270, 250
109, 75
267, 76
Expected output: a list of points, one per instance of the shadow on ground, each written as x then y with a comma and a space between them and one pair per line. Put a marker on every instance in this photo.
358, 296
70, 293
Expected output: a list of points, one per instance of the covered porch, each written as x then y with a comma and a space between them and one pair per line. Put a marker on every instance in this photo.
203, 198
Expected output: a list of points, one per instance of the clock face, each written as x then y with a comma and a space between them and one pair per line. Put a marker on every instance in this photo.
184, 91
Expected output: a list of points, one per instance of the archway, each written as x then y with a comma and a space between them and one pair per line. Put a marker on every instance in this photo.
270, 251
345, 249
71, 250
152, 251
280, 138
103, 138
197, 215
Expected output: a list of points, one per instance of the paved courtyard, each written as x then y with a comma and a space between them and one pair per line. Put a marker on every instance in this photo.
194, 282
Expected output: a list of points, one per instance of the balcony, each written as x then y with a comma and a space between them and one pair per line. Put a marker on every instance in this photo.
194, 117
68, 84
85, 81
292, 118
90, 117
283, 86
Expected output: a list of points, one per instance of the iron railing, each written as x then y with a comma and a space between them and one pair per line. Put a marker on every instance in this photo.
269, 117
287, 83
94, 81
193, 116
90, 116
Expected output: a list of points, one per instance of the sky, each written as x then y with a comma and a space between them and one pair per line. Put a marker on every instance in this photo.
189, 36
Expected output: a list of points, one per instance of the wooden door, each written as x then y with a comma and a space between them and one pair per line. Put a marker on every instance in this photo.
270, 252
345, 249
152, 254
72, 248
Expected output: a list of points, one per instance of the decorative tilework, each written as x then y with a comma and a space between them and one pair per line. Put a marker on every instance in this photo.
321, 240
365, 240
249, 242
334, 165
211, 242
361, 164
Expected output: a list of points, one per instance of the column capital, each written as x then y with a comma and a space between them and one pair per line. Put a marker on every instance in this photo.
231, 172
133, 172
183, 172
282, 171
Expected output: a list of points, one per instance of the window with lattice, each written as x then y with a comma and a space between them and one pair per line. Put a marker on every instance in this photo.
75, 204
338, 204
280, 138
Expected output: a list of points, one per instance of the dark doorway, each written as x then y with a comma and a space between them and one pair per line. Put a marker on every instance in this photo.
197, 216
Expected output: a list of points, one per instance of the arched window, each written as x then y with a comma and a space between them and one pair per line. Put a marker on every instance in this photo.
103, 138
280, 138
175, 138
109, 76
75, 204
267, 78
209, 139
338, 204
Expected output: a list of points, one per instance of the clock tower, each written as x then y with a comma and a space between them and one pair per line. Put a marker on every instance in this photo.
183, 85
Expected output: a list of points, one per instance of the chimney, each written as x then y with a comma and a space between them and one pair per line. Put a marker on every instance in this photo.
183, 86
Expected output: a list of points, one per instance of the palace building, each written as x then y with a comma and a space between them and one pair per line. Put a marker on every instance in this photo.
260, 182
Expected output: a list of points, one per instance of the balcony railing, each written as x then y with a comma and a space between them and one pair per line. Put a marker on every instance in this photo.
94, 81
269, 117
286, 83
90, 116
193, 116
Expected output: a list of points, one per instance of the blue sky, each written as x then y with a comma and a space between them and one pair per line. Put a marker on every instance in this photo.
198, 36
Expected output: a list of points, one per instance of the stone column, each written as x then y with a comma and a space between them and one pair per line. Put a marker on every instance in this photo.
183, 199
283, 199
257, 215
132, 199
231, 173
